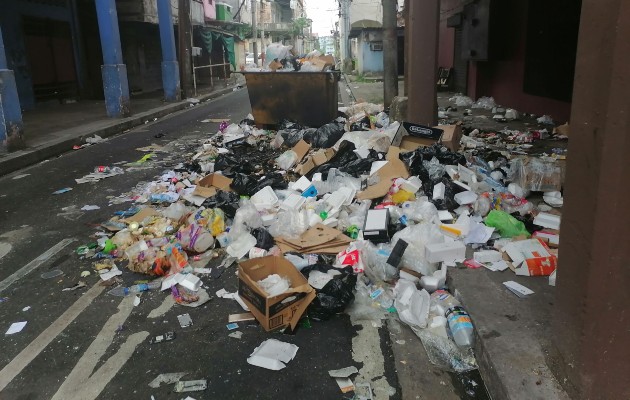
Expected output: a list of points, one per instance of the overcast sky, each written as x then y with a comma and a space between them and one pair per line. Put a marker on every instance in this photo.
324, 14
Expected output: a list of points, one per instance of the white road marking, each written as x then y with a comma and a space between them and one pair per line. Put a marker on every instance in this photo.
82, 384
13, 369
5, 248
163, 308
30, 267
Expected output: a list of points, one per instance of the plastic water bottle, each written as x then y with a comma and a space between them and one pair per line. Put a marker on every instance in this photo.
461, 327
122, 291
459, 321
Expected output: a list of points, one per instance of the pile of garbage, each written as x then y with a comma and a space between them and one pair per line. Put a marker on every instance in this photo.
281, 58
362, 212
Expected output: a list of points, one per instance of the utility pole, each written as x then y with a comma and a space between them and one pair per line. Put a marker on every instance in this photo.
390, 51
185, 52
255, 30
345, 35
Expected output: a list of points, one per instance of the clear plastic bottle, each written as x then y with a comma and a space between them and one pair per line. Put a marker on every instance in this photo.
122, 291
459, 322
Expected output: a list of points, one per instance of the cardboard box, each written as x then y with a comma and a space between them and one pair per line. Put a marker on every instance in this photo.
211, 184
318, 158
301, 149
411, 136
452, 135
279, 311
531, 257
394, 168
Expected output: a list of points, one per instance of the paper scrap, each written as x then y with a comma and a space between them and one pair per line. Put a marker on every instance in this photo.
343, 373
114, 271
236, 334
16, 327
88, 207
136, 301
167, 379
26, 308
273, 354
518, 289
497, 266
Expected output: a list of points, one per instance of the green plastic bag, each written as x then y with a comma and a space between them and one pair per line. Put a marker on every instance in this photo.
505, 224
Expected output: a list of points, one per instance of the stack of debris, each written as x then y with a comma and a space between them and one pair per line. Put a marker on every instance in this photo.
395, 204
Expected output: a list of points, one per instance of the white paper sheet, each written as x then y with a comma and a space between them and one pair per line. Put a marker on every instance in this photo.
16, 327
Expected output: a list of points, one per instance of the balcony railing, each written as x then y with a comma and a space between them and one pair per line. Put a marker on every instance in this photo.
277, 26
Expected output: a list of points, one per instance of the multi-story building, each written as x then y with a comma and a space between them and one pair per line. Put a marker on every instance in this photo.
366, 32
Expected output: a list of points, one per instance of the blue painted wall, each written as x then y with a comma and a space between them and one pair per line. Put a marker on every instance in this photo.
11, 22
370, 62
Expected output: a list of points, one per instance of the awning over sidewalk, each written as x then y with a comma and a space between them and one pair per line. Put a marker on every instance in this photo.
211, 37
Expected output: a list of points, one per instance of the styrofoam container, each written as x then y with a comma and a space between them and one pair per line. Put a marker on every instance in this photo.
265, 198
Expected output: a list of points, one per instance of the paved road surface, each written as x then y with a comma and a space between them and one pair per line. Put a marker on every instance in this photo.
85, 344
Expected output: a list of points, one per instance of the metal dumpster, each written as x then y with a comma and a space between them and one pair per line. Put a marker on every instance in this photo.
310, 98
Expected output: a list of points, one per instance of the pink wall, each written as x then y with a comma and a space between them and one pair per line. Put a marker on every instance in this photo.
503, 79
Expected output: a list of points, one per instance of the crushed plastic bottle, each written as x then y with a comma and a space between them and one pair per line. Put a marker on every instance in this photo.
122, 291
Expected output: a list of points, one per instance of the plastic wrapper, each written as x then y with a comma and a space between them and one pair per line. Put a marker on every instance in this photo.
418, 236
420, 210
290, 224
264, 240
246, 219
505, 224
369, 108
325, 136
335, 296
536, 174
461, 101
287, 159
176, 211
364, 308
274, 285
276, 51
375, 263
487, 103
369, 139
445, 354
382, 120
195, 238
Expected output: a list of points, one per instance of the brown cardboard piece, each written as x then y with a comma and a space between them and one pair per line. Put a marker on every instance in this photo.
318, 239
394, 169
318, 158
301, 149
452, 135
563, 130
142, 215
279, 311
211, 184
275, 65
323, 62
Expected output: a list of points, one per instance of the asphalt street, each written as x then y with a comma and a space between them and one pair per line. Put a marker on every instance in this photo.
86, 344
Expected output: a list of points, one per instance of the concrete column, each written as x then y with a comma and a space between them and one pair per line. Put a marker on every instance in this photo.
390, 51
115, 84
170, 67
592, 308
11, 126
422, 36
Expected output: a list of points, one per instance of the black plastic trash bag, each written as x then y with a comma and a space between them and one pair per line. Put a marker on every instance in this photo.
248, 185
226, 201
264, 240
414, 158
274, 179
326, 136
287, 124
335, 296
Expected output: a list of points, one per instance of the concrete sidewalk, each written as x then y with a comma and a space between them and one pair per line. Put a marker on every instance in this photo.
54, 129
513, 335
